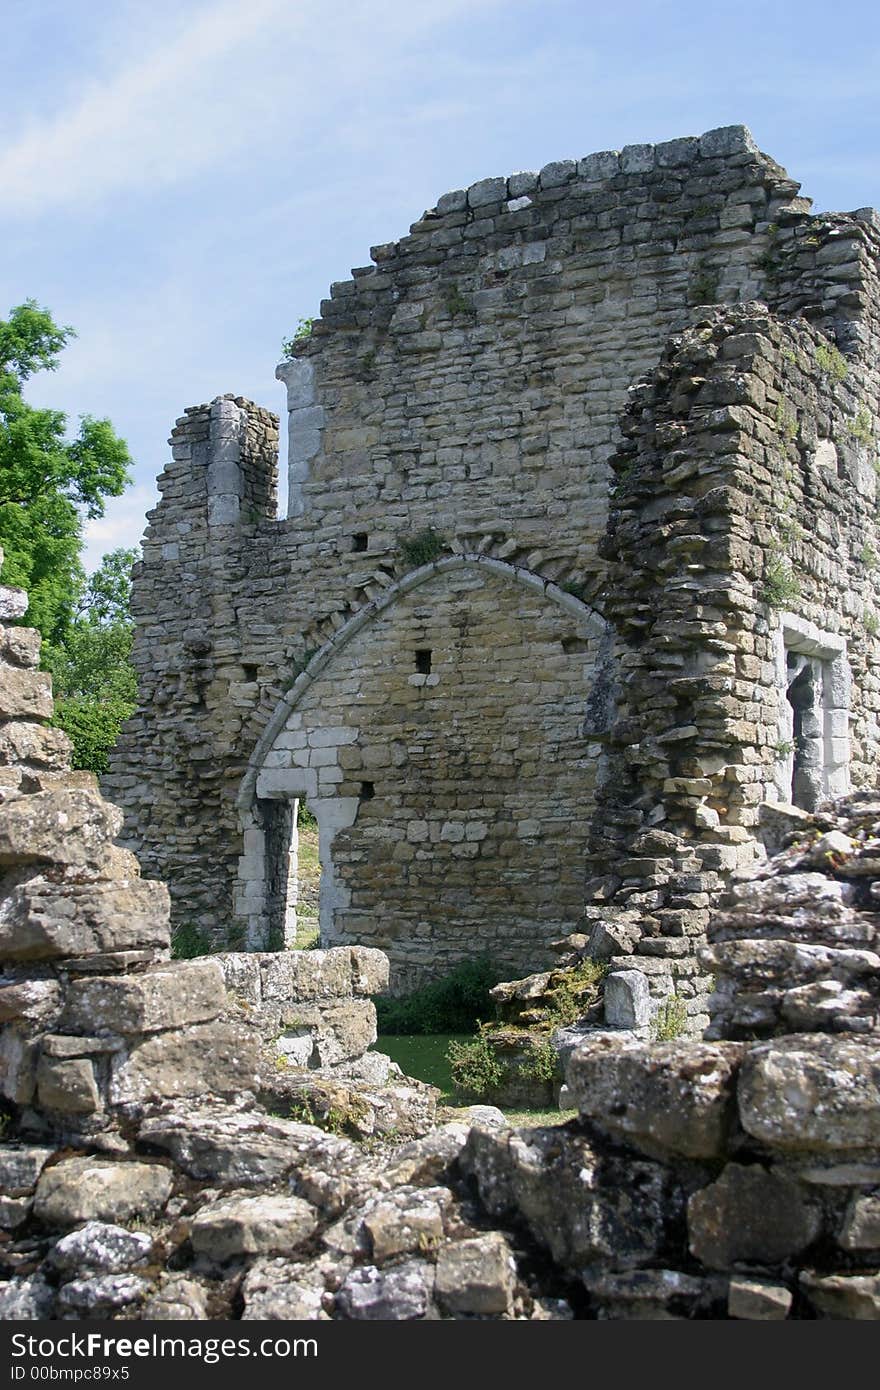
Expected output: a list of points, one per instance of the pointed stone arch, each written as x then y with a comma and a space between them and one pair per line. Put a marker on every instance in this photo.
290, 763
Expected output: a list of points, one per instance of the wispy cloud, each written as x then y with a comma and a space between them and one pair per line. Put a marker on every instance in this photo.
203, 91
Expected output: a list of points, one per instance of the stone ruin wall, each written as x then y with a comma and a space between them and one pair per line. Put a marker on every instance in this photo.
494, 378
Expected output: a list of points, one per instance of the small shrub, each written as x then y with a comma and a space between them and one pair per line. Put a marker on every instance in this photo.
831, 362
871, 623
670, 1019
426, 545
542, 1064
781, 585
476, 1070
704, 286
300, 333
868, 556
785, 423
189, 941
454, 1004
458, 303
861, 428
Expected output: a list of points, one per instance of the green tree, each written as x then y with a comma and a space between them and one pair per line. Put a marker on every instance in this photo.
92, 676
48, 483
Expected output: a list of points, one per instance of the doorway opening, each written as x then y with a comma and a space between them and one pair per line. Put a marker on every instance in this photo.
293, 873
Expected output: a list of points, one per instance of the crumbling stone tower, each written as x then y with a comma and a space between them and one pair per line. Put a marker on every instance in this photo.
577, 573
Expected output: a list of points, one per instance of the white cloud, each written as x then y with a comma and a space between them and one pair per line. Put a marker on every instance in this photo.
205, 91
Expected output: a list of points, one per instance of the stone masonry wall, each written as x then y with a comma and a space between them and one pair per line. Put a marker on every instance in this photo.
481, 391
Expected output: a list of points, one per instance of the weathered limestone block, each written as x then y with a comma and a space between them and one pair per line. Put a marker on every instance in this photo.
218, 1058
25, 694
675, 1097
13, 603
68, 1086
100, 1295
750, 1214
399, 1294
20, 1167
18, 1064
758, 1300
581, 1206
99, 1247
176, 1299
62, 828
277, 1289
812, 1092
172, 996
476, 1277
302, 976
93, 1189
35, 1002
26, 1300
655, 1295
861, 1229
14, 1211
786, 964
41, 920
33, 745
20, 646
242, 1148
327, 1035
265, 1225
406, 1222
853, 1296
627, 999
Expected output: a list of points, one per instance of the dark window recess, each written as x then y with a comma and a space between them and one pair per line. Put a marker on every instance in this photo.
359, 540
368, 791
423, 661
250, 672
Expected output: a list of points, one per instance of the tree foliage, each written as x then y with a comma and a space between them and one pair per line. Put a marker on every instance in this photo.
92, 676
48, 483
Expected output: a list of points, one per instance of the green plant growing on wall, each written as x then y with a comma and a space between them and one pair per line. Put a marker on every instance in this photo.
475, 1068
458, 303
670, 1020
871, 623
831, 362
426, 545
861, 428
188, 942
785, 423
300, 333
784, 748
781, 585
704, 285
868, 556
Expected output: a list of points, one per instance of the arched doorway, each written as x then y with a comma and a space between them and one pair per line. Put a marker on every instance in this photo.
440, 742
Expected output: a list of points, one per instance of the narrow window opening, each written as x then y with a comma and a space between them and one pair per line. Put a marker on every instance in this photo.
250, 672
360, 540
368, 791
423, 661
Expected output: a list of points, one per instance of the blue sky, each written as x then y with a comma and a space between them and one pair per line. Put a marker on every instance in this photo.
182, 181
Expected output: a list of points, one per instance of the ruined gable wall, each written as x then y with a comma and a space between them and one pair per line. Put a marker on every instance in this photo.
469, 382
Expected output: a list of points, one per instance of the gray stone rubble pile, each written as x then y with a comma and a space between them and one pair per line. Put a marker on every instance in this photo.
140, 1176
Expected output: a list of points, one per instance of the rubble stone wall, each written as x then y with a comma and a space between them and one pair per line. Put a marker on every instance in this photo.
502, 385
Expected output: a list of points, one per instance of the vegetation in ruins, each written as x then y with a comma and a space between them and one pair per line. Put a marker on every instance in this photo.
426, 545
93, 679
456, 1003
49, 484
670, 1019
300, 333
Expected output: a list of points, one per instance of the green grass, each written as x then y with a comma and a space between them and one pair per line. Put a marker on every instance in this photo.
424, 1057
